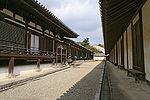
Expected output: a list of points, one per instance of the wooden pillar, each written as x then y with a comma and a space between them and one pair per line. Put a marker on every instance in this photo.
66, 57
43, 38
54, 45
11, 66
61, 55
53, 62
38, 63
26, 35
68, 53
56, 55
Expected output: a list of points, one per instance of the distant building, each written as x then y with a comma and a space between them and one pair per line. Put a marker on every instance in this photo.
99, 48
99, 56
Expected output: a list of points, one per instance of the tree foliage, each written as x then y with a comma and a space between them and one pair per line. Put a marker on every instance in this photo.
85, 43
101, 45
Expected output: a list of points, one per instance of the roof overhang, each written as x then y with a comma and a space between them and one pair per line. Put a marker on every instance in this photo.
32, 10
116, 15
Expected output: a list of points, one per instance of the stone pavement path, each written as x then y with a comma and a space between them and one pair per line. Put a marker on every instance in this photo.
123, 87
78, 83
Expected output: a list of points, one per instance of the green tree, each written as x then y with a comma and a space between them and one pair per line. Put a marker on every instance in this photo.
101, 45
85, 42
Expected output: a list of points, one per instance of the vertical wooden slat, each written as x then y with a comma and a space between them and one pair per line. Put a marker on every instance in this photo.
61, 55
53, 62
66, 56
117, 53
56, 55
29, 42
26, 35
53, 46
68, 52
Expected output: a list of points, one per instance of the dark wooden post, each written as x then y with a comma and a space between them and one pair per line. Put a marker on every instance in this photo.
56, 55
61, 55
44, 39
11, 66
38, 63
54, 44
66, 57
68, 53
53, 62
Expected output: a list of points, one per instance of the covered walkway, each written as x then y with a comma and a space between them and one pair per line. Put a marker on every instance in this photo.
118, 86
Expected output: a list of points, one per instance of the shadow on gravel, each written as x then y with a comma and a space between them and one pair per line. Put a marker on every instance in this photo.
111, 85
86, 88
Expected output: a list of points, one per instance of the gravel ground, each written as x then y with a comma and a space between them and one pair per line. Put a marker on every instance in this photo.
78, 83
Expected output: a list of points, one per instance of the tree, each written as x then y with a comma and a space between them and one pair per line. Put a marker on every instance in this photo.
85, 42
101, 45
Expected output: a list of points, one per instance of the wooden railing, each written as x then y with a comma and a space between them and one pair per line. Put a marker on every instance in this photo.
24, 51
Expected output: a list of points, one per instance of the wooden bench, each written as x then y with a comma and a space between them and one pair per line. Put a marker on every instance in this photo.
136, 74
115, 64
121, 66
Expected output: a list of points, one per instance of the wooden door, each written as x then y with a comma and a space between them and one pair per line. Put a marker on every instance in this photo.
138, 54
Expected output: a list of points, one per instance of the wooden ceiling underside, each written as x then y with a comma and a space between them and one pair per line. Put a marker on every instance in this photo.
116, 16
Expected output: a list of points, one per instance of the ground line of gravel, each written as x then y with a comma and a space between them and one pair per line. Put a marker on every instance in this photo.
27, 80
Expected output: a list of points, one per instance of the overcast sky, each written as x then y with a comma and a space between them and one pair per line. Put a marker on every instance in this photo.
82, 16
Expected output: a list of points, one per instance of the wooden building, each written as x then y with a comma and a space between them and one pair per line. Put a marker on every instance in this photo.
29, 31
127, 34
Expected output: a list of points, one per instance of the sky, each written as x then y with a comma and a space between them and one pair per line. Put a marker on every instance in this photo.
81, 16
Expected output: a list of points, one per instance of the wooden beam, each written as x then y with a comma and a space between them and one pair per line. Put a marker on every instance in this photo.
122, 14
26, 56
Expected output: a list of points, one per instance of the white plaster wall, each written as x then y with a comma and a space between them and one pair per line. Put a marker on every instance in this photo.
38, 27
130, 55
19, 18
99, 58
118, 52
7, 12
31, 24
115, 52
146, 37
125, 51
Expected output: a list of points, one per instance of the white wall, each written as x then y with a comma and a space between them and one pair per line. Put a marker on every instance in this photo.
115, 54
130, 58
125, 51
119, 52
146, 37
99, 58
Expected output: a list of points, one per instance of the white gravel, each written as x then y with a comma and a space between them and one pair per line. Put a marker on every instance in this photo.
79, 83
